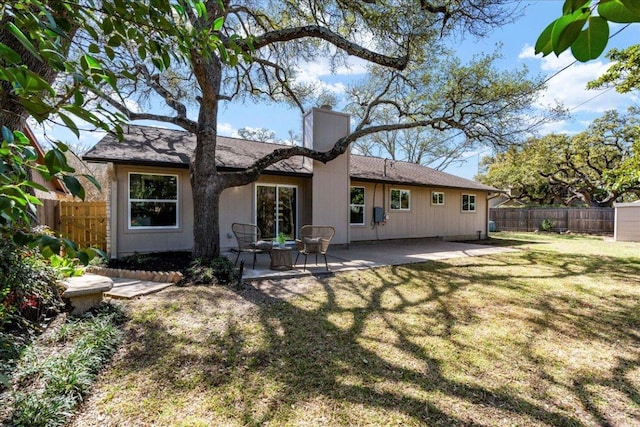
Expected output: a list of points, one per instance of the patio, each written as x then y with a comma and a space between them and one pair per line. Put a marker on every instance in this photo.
358, 256
362, 255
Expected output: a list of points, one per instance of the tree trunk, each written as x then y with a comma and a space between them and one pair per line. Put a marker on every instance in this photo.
206, 184
206, 216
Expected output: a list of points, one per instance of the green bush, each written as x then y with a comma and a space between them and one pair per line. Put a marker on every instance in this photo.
28, 288
29, 295
547, 224
219, 271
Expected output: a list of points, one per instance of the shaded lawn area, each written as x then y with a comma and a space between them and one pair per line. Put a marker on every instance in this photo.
549, 335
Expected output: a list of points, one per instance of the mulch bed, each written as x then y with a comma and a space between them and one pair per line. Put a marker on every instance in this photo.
161, 261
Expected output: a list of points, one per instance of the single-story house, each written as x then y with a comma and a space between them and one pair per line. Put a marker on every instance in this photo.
365, 198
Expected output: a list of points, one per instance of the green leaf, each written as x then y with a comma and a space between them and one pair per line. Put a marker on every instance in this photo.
36, 186
9, 55
49, 245
23, 40
566, 29
37, 108
7, 135
218, 23
543, 44
70, 124
591, 42
74, 186
107, 26
571, 6
83, 257
78, 98
89, 62
142, 52
115, 41
201, 9
35, 83
616, 11
61, 146
93, 180
632, 5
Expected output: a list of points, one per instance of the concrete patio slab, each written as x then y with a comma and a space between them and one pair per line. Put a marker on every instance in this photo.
364, 255
357, 256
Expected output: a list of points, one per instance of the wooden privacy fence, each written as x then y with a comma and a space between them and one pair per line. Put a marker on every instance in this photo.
577, 220
85, 223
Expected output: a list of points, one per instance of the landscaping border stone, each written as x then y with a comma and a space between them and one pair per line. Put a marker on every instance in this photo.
153, 276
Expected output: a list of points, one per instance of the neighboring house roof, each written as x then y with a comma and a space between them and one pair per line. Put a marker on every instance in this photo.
143, 145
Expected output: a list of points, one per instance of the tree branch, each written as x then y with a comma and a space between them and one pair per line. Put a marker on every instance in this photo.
183, 122
316, 31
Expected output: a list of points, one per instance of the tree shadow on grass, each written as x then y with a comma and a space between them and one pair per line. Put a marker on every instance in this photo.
365, 343
328, 354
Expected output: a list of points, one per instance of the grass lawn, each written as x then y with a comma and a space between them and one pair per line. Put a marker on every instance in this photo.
549, 335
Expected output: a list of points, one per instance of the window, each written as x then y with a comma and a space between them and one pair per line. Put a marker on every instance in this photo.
357, 206
153, 201
468, 203
437, 198
277, 210
400, 200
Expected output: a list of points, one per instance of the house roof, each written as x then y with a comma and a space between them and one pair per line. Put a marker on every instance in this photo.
151, 146
399, 172
144, 145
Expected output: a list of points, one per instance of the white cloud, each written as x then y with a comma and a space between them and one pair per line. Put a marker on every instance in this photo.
557, 126
227, 129
317, 73
568, 86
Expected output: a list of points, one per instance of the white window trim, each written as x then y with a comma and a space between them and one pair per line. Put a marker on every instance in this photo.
176, 201
400, 208
475, 203
433, 193
363, 205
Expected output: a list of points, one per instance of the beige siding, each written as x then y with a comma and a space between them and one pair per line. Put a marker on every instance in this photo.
179, 239
238, 205
330, 188
423, 219
627, 222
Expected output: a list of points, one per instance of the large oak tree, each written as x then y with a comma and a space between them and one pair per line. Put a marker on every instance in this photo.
199, 54
595, 168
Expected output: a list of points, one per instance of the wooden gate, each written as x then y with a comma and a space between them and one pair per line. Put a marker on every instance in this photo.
85, 223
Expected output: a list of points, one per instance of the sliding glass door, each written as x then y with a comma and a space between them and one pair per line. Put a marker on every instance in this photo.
277, 210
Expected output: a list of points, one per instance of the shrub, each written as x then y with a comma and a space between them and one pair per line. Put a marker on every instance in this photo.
547, 224
29, 295
28, 287
221, 271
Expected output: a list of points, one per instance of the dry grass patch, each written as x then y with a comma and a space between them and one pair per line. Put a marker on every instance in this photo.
549, 335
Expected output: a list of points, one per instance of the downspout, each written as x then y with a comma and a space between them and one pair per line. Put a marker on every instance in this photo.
486, 222
112, 211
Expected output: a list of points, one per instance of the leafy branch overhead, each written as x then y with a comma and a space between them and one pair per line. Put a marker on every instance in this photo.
584, 27
124, 56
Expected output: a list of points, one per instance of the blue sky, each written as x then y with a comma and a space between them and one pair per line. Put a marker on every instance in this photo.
517, 39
